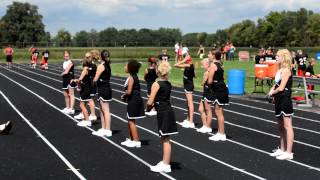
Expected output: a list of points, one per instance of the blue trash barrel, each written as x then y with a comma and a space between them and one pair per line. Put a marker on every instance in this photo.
236, 81
318, 56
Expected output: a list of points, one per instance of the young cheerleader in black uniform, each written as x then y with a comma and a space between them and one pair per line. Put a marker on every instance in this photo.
102, 79
160, 98
206, 100
220, 94
67, 86
281, 92
84, 82
135, 107
150, 76
188, 75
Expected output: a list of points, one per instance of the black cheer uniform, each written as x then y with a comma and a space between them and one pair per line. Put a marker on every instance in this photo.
282, 100
85, 88
150, 78
135, 107
103, 84
92, 73
219, 88
165, 114
68, 77
188, 75
207, 94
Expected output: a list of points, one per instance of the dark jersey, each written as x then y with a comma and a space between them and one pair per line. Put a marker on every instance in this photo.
164, 57
302, 61
310, 70
259, 58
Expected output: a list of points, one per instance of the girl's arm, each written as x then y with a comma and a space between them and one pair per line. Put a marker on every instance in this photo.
83, 73
212, 69
100, 69
154, 90
205, 78
130, 86
145, 74
182, 64
285, 74
66, 71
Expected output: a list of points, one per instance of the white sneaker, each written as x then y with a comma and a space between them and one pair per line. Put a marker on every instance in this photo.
79, 116
151, 113
136, 144
203, 129
183, 122
124, 143
285, 156
161, 167
84, 123
92, 118
188, 124
70, 111
218, 137
102, 132
64, 110
209, 130
276, 152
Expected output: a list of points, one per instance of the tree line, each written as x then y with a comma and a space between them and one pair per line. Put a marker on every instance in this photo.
23, 24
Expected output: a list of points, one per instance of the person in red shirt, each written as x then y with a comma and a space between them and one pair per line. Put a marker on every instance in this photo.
8, 51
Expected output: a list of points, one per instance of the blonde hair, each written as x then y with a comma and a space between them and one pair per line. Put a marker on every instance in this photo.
95, 54
312, 60
164, 68
287, 58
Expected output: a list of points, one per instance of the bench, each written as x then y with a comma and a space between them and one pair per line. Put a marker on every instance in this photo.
307, 81
258, 80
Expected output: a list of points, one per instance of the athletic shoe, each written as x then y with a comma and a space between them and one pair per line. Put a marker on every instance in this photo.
70, 111
65, 110
276, 152
204, 129
136, 144
218, 137
183, 122
151, 113
84, 123
102, 132
92, 118
124, 143
161, 167
188, 124
79, 116
5, 128
285, 156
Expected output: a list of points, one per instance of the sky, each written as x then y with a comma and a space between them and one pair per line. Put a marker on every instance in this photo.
187, 15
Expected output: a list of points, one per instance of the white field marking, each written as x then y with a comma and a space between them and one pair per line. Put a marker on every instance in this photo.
244, 105
54, 149
177, 143
235, 142
55, 107
232, 124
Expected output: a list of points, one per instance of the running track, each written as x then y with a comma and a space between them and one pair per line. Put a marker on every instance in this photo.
47, 144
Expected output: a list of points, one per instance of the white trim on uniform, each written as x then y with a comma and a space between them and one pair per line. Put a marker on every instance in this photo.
140, 117
205, 99
84, 100
220, 104
167, 134
104, 100
283, 113
188, 92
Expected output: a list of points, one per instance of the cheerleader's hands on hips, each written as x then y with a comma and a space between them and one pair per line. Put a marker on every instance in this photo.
124, 97
149, 107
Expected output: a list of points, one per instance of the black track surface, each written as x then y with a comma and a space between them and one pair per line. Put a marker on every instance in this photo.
251, 135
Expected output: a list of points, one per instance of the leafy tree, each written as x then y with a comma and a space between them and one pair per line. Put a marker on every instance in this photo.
22, 23
109, 35
63, 38
313, 29
81, 39
190, 39
201, 37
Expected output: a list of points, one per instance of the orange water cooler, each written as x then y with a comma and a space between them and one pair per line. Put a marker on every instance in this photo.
272, 69
261, 70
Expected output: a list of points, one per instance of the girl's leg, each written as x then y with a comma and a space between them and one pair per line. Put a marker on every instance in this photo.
282, 134
287, 121
166, 145
71, 97
66, 98
208, 110
92, 107
106, 124
133, 130
202, 113
220, 118
84, 110
190, 107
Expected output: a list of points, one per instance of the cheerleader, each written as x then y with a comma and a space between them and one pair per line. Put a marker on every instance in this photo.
206, 100
160, 98
281, 92
8, 52
220, 93
150, 76
84, 83
45, 58
67, 86
188, 75
135, 108
102, 80
200, 52
34, 58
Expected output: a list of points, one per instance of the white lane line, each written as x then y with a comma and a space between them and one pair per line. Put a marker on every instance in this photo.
177, 143
227, 122
239, 104
55, 150
235, 142
55, 107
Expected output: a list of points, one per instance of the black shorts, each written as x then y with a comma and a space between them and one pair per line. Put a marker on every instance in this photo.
104, 92
85, 93
207, 94
9, 58
188, 86
220, 94
66, 83
135, 107
166, 119
283, 105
